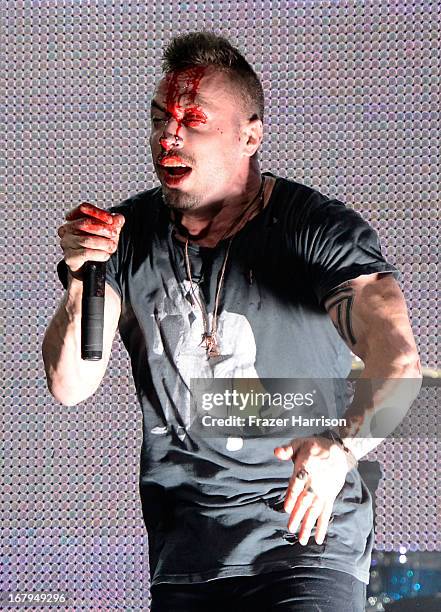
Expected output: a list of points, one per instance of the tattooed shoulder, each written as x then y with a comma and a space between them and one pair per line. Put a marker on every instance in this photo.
339, 303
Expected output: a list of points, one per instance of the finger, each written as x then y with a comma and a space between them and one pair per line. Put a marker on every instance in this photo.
88, 241
288, 451
295, 488
76, 258
87, 209
92, 226
309, 520
323, 522
86, 228
284, 452
302, 504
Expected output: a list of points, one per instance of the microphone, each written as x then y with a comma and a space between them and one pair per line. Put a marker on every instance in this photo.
92, 310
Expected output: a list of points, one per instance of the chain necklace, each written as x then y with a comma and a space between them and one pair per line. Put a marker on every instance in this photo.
209, 337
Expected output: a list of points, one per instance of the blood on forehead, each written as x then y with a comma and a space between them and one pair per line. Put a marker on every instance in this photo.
181, 90
182, 87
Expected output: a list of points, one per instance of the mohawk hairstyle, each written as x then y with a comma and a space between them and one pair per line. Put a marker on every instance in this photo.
208, 49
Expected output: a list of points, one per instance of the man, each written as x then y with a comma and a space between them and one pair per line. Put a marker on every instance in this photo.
225, 272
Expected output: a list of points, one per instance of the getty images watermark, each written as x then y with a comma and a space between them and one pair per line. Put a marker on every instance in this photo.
256, 407
261, 400
251, 407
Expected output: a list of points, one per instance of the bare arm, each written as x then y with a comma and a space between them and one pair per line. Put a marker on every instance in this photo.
71, 379
370, 314
89, 233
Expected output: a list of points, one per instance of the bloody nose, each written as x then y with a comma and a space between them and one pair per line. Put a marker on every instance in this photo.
170, 138
167, 142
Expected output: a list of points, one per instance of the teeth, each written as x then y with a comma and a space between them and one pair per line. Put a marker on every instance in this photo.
175, 165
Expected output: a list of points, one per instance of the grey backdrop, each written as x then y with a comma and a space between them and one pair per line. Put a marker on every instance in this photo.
352, 108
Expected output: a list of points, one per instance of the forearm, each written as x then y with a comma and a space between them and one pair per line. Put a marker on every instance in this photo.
69, 378
373, 309
384, 393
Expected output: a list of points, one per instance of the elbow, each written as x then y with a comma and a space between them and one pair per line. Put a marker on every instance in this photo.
66, 389
60, 394
411, 375
64, 397
411, 365
392, 353
415, 372
405, 366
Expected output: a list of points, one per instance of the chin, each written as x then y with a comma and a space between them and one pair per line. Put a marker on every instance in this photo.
177, 200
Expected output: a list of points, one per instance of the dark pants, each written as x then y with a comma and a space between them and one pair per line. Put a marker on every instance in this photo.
300, 589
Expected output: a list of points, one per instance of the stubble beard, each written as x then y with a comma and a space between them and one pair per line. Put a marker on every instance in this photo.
176, 200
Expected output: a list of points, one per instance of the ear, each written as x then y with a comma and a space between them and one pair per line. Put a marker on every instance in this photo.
251, 135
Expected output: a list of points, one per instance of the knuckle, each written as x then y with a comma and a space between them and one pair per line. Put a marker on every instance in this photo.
86, 241
81, 223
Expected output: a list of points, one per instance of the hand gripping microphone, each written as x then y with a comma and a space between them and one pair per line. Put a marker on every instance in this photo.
92, 310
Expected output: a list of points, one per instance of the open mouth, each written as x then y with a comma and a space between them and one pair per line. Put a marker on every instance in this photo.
175, 175
177, 170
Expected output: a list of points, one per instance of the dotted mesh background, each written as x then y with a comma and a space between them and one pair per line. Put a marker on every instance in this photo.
352, 108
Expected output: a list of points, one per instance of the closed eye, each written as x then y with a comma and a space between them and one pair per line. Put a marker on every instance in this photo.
193, 121
157, 119
190, 121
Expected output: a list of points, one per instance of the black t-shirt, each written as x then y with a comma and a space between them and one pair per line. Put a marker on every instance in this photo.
212, 507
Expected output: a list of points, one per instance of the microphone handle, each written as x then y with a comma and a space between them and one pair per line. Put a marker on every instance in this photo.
92, 310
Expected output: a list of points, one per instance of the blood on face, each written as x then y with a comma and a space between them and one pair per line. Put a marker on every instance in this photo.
181, 90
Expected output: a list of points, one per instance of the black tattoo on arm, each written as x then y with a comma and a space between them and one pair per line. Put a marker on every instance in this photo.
343, 298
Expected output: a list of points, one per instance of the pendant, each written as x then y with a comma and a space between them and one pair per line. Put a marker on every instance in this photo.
211, 345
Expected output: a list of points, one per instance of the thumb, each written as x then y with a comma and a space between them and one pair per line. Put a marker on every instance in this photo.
288, 451
284, 452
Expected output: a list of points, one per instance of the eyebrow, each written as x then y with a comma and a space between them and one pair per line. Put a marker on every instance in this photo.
155, 104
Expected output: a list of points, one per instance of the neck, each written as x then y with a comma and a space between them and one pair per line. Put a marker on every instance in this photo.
207, 225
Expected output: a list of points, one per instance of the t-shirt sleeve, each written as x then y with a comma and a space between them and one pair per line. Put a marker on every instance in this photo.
112, 276
113, 268
336, 244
